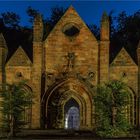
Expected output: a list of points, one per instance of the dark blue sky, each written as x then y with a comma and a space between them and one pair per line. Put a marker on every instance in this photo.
90, 11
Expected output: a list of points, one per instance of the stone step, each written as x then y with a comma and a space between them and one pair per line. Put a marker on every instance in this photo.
63, 135
55, 133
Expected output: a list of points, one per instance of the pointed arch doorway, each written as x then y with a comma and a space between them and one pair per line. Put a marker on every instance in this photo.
68, 106
72, 114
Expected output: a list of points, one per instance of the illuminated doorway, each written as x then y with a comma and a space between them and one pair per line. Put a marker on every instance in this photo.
72, 114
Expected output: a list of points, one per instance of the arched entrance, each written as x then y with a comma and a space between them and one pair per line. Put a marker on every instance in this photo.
27, 110
130, 109
68, 105
72, 114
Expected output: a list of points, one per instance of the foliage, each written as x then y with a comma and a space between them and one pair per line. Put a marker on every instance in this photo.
32, 13
127, 33
11, 19
124, 30
95, 30
56, 14
111, 97
14, 101
112, 25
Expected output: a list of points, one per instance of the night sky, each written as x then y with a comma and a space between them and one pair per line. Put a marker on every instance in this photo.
90, 11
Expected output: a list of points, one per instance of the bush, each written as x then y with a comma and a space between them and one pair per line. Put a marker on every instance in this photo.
110, 101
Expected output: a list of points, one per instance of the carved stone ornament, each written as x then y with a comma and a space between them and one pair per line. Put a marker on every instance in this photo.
124, 74
19, 75
91, 75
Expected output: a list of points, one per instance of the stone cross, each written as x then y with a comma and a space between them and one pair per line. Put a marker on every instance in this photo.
70, 58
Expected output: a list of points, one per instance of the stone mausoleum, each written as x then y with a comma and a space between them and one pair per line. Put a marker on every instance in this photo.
66, 67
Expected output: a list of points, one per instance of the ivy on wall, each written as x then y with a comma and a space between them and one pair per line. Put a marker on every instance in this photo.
110, 104
14, 100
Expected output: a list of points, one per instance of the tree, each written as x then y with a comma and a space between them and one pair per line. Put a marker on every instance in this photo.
110, 102
13, 104
32, 13
56, 14
11, 19
127, 34
112, 19
49, 23
95, 30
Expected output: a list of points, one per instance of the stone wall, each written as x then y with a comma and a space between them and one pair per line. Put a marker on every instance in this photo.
37, 71
125, 69
104, 49
69, 48
84, 46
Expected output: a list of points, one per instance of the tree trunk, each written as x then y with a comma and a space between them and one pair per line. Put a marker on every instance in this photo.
12, 131
114, 111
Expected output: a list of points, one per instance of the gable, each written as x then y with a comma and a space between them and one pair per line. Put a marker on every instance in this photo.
19, 58
123, 59
70, 17
71, 40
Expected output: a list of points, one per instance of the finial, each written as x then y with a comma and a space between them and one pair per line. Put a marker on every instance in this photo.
38, 17
104, 16
71, 7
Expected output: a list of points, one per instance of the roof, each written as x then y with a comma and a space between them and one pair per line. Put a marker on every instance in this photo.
19, 58
123, 59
